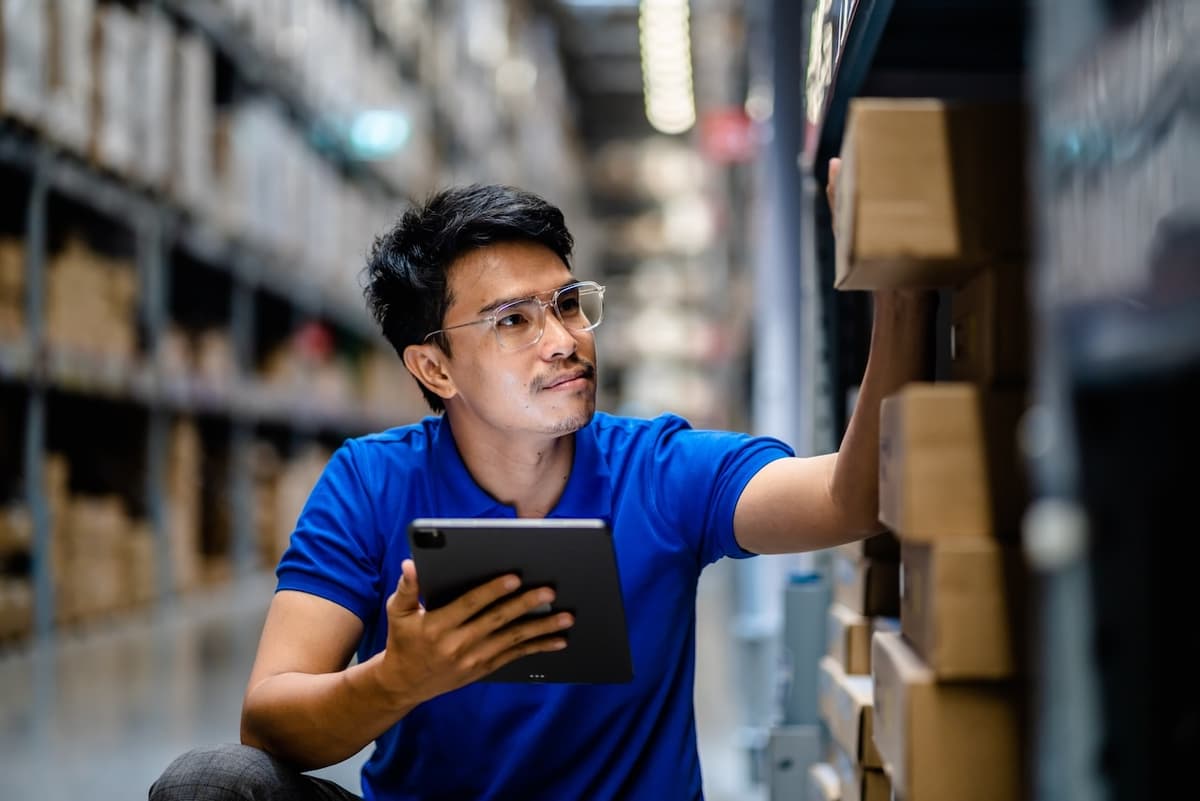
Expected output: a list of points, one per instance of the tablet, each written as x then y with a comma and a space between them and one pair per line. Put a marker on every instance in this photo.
574, 556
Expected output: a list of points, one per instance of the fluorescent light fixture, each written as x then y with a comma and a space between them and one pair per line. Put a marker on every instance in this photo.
665, 37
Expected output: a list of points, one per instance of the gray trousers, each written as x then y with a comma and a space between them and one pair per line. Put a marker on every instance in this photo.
240, 773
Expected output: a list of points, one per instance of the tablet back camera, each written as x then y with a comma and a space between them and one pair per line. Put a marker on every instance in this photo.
429, 539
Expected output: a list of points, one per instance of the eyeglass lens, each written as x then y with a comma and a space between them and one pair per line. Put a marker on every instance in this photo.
521, 323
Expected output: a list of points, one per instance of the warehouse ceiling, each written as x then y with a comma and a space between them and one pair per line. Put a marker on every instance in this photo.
599, 41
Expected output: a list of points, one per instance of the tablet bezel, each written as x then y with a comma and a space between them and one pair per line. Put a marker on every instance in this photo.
576, 556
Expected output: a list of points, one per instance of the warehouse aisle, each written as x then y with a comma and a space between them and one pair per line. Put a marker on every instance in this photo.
98, 715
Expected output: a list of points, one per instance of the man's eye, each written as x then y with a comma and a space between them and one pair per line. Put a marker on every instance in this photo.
568, 304
513, 319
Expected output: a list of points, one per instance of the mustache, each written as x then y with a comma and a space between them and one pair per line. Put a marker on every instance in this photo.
577, 368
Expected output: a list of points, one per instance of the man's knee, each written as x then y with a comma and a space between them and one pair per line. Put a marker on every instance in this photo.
228, 772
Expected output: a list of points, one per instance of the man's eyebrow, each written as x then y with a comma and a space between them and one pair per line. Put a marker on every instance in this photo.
495, 304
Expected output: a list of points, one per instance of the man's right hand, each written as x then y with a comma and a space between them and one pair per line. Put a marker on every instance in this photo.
433, 652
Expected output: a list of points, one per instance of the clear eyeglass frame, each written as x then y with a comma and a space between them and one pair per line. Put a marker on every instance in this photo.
521, 323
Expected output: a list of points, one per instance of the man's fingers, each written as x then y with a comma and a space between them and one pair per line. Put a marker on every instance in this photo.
835, 167
472, 602
407, 596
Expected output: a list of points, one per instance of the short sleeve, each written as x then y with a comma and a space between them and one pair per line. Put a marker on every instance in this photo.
697, 478
335, 549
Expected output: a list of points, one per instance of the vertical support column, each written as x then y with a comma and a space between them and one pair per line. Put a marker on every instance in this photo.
780, 373
35, 423
241, 490
153, 274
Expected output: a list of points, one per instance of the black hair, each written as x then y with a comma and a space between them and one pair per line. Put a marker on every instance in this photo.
405, 281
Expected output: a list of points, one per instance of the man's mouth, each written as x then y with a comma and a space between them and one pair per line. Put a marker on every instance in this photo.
585, 372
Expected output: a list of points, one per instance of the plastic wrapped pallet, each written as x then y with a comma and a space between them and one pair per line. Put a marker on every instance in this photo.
195, 115
117, 40
152, 124
23, 45
71, 82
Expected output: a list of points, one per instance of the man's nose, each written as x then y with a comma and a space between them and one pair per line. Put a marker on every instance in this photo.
557, 340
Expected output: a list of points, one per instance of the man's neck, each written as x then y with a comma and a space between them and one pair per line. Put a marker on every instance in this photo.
528, 474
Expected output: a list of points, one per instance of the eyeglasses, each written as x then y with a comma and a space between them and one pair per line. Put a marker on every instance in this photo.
521, 323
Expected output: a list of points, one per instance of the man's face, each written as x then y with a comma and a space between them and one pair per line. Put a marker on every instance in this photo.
548, 387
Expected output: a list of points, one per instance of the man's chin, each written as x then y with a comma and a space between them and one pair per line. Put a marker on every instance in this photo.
569, 424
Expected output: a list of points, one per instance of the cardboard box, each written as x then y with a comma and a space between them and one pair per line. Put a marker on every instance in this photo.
948, 462
859, 783
929, 191
866, 586
849, 636
883, 547
847, 709
823, 783
943, 742
961, 607
989, 328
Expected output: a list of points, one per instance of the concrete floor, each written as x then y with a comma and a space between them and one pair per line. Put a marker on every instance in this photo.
97, 715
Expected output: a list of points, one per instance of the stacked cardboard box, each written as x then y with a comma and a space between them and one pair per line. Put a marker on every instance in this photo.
932, 194
267, 468
103, 559
866, 596
91, 303
929, 192
12, 289
183, 494
16, 590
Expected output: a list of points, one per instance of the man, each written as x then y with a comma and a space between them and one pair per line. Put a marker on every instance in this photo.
474, 291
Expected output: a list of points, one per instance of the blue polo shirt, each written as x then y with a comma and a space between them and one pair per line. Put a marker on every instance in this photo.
667, 491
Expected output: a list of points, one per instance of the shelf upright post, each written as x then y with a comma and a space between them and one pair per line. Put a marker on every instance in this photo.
35, 420
241, 490
153, 275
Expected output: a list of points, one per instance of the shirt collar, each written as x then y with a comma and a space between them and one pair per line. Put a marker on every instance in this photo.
588, 492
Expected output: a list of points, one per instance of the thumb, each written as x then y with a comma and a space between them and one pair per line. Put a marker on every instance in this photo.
406, 598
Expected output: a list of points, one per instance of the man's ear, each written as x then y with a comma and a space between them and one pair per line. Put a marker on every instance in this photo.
428, 364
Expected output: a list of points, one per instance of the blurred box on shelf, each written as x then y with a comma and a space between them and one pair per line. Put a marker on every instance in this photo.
183, 497
943, 742
989, 328
70, 74
266, 471
866, 586
194, 125
16, 608
823, 783
24, 28
883, 547
849, 635
116, 44
152, 124
858, 783
962, 607
16, 530
91, 302
948, 462
12, 289
847, 708
928, 192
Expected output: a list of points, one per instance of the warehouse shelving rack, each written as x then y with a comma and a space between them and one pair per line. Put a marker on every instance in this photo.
159, 227
1111, 439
